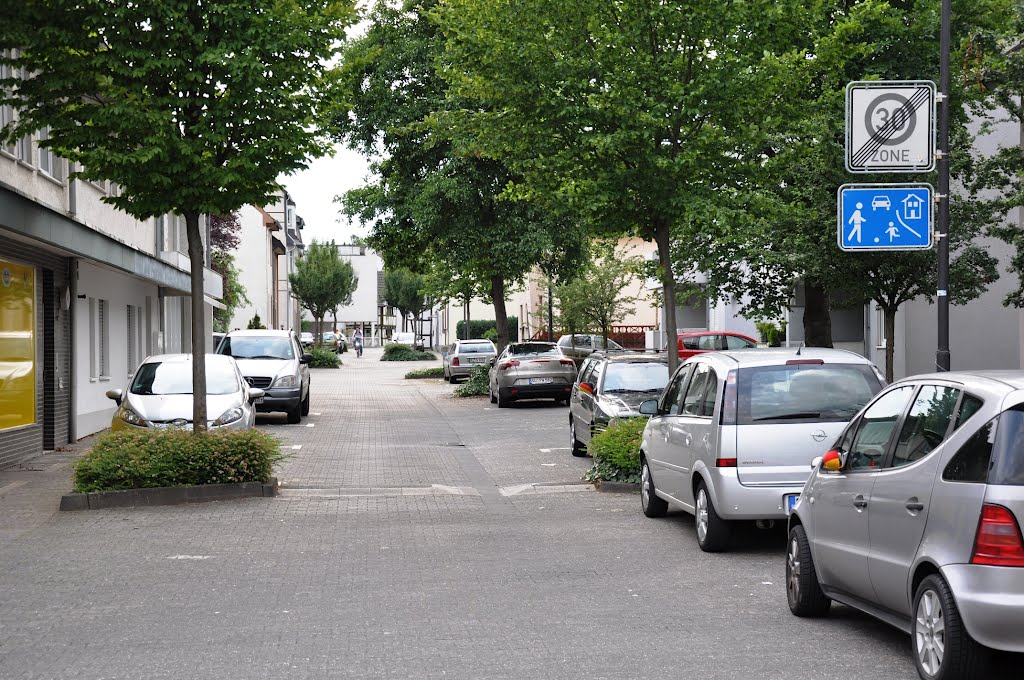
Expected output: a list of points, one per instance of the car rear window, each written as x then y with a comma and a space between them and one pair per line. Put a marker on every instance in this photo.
534, 348
635, 377
803, 392
1008, 454
476, 348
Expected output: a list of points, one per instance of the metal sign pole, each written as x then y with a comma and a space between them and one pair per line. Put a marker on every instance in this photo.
942, 294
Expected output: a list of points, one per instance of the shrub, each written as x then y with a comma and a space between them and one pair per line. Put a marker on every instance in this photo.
324, 358
396, 351
476, 385
616, 451
139, 459
255, 323
478, 328
432, 372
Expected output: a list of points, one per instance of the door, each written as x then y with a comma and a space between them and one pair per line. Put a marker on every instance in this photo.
697, 433
841, 541
660, 427
581, 404
584, 426
900, 498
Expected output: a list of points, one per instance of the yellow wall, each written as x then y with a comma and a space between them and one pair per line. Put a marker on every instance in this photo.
17, 345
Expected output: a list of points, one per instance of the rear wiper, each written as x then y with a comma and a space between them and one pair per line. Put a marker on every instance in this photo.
262, 356
791, 416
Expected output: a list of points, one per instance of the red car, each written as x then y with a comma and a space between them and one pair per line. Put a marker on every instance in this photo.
709, 341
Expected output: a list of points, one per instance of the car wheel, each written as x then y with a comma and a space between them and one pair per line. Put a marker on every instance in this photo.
575, 445
652, 505
501, 401
802, 588
712, 531
943, 649
490, 394
304, 407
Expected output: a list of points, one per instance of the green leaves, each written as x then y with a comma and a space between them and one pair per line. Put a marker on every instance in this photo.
322, 280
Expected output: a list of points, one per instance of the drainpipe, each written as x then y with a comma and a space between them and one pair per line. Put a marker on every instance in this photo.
72, 192
72, 364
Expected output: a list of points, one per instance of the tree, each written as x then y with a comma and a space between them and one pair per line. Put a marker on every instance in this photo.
190, 107
404, 291
224, 238
636, 115
595, 298
322, 281
430, 203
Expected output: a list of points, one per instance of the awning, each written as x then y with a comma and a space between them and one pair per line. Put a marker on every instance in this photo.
214, 302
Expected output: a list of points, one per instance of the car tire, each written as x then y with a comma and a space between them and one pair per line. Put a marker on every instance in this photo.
652, 505
294, 414
959, 657
803, 592
304, 406
502, 402
490, 395
712, 531
575, 445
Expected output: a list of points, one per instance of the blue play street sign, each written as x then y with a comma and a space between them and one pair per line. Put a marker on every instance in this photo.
885, 217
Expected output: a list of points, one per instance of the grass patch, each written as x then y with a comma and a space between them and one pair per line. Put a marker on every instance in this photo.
154, 458
616, 452
476, 385
324, 358
396, 351
432, 372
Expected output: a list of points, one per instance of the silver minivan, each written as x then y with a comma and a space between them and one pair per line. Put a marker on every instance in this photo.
914, 516
733, 434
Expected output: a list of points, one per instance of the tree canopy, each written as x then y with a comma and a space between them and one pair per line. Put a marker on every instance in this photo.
322, 280
406, 292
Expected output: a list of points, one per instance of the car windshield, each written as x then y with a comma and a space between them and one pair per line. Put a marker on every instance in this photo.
257, 347
803, 392
476, 348
158, 377
635, 377
533, 349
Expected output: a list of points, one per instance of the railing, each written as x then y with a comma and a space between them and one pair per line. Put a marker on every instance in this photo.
630, 337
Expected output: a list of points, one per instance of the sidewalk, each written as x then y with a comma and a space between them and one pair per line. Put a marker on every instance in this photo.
30, 492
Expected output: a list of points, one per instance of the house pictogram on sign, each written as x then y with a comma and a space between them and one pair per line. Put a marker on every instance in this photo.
912, 207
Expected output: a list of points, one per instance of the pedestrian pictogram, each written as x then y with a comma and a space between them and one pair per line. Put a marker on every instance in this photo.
890, 126
885, 217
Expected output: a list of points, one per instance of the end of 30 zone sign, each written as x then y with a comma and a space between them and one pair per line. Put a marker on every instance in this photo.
890, 126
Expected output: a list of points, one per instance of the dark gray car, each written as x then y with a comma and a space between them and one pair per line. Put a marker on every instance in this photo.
612, 386
914, 517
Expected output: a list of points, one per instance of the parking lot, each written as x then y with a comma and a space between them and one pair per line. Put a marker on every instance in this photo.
417, 535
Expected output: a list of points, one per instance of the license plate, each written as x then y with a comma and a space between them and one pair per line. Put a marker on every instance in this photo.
790, 500
258, 401
541, 381
475, 360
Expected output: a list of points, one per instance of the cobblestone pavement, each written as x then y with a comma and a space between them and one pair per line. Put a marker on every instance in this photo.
416, 536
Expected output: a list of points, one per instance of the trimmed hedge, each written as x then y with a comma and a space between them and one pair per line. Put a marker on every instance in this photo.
479, 328
396, 351
432, 372
324, 358
140, 459
616, 452
477, 384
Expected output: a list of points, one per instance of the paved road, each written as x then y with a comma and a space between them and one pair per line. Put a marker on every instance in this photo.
417, 536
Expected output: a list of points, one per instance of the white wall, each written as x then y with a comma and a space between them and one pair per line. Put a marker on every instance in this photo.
254, 259
364, 300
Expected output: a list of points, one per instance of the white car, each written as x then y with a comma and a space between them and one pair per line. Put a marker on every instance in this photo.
273, 361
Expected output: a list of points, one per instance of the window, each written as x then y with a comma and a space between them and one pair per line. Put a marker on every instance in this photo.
691, 342
6, 110
673, 399
49, 162
968, 407
23, 149
1008, 456
134, 337
732, 342
707, 342
879, 328
926, 424
971, 462
808, 393
876, 430
104, 338
694, 401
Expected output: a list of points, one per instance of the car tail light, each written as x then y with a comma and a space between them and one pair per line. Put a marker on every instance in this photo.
725, 462
729, 399
455, 361
505, 365
998, 541
567, 362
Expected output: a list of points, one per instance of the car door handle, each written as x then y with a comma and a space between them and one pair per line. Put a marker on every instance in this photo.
914, 505
860, 502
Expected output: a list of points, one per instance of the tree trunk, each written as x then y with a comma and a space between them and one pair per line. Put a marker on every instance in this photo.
668, 283
817, 316
196, 262
467, 319
500, 315
890, 341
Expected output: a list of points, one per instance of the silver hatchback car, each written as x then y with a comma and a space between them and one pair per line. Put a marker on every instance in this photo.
464, 356
734, 433
914, 517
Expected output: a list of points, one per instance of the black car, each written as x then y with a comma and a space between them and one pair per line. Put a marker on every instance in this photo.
612, 386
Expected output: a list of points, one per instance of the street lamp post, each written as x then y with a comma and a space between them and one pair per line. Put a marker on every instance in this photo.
942, 362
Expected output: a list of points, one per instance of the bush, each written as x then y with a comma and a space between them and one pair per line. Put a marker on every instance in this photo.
396, 351
476, 385
478, 329
616, 451
141, 459
432, 372
323, 358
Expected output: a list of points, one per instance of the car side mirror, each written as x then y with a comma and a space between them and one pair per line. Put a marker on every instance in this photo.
305, 358
816, 462
256, 394
116, 395
832, 461
586, 387
649, 407
493, 361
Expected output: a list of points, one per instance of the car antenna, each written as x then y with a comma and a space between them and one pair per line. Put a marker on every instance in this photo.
799, 348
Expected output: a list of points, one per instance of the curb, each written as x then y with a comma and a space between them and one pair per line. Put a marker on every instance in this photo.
617, 487
167, 495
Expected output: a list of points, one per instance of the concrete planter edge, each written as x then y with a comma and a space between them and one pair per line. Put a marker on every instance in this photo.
167, 495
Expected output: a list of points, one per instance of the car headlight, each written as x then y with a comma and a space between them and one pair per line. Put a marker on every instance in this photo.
229, 416
129, 416
286, 381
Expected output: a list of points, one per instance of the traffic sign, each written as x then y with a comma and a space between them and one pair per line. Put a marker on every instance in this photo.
885, 217
890, 126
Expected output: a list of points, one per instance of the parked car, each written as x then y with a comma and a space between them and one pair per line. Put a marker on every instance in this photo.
410, 339
692, 343
914, 517
580, 346
273, 361
217, 337
465, 355
531, 370
306, 339
612, 386
160, 395
733, 435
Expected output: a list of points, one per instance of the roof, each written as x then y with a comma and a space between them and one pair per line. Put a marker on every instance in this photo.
773, 356
995, 379
260, 333
184, 358
621, 357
